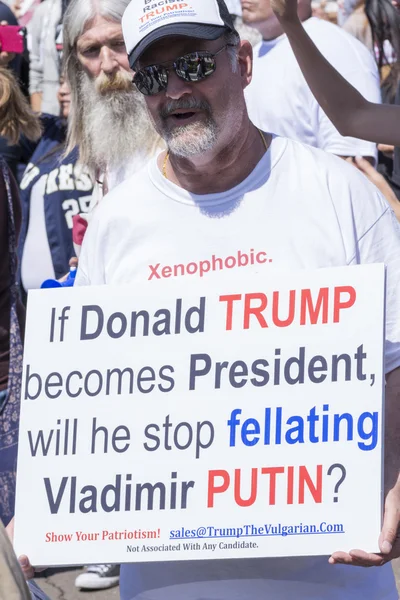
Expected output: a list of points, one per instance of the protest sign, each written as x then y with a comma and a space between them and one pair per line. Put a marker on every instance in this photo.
228, 419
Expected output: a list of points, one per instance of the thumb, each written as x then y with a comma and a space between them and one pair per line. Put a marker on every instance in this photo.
390, 527
74, 262
26, 567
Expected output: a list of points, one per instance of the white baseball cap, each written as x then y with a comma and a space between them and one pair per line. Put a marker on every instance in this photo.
146, 21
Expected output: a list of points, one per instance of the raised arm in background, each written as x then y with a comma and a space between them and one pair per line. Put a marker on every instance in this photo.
348, 110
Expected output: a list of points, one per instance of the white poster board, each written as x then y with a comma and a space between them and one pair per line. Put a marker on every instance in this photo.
219, 420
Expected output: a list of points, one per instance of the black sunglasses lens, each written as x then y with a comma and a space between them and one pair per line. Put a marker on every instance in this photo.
192, 67
151, 80
195, 67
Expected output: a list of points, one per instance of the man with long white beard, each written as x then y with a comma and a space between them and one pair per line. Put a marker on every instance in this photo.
109, 121
109, 124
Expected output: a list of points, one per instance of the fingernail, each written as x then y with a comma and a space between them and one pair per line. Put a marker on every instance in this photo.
23, 561
386, 547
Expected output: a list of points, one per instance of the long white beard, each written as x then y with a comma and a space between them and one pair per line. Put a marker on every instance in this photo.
116, 126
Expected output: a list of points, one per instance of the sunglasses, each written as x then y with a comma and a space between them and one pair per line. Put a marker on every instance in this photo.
192, 67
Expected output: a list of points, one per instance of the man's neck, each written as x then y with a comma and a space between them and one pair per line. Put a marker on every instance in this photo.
271, 28
212, 173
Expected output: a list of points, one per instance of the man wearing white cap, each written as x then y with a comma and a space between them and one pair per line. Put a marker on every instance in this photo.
224, 186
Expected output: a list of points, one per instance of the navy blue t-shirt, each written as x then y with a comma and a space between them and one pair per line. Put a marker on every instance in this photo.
54, 188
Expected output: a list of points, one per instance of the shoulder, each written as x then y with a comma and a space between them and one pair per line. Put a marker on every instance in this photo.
350, 192
327, 165
122, 200
113, 221
267, 52
50, 122
126, 169
336, 197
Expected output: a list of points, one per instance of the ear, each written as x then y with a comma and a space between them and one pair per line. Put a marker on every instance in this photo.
245, 59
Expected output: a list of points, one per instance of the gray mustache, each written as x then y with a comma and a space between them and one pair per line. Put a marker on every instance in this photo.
184, 104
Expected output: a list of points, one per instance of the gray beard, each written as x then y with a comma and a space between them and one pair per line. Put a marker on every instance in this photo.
191, 140
116, 126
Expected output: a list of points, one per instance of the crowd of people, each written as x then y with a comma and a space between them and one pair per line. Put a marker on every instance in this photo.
93, 107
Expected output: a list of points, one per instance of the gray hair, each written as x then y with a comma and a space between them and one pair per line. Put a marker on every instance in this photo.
78, 14
248, 33
233, 39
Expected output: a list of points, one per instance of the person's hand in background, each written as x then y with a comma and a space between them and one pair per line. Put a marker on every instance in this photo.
5, 57
73, 264
285, 10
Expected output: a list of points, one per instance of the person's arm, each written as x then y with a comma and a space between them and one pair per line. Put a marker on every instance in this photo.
348, 110
36, 101
12, 580
22, 571
36, 60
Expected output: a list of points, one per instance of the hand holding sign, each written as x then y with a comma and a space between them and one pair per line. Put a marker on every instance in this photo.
26, 567
389, 541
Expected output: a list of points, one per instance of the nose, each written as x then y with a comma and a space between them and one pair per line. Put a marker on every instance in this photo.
64, 89
109, 64
177, 87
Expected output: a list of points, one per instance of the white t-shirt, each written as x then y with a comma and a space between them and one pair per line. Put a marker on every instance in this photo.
134, 164
279, 99
299, 209
106, 182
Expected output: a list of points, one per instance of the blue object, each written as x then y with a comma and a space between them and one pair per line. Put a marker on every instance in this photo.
53, 283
